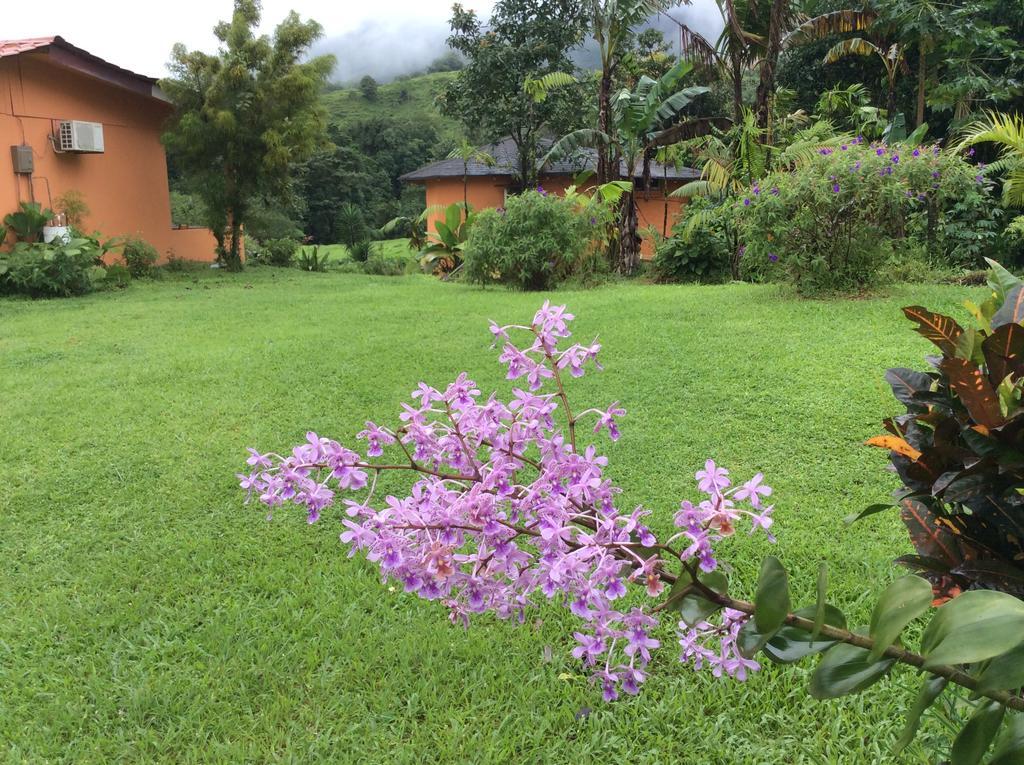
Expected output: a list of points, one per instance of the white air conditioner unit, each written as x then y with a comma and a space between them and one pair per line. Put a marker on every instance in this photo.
81, 137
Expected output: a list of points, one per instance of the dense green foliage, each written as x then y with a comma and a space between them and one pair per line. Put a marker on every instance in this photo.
187, 209
27, 222
360, 167
382, 264
244, 117
959, 58
149, 618
533, 243
277, 252
698, 253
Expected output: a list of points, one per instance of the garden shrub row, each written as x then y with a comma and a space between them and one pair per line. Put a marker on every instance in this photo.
841, 219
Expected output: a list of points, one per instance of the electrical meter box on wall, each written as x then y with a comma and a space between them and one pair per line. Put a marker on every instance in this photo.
21, 158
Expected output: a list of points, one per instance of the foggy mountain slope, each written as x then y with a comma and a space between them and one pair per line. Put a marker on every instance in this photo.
387, 48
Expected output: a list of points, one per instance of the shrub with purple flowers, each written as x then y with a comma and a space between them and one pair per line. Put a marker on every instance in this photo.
509, 508
840, 215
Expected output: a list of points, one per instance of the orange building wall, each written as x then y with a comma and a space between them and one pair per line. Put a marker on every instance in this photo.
490, 192
125, 187
481, 193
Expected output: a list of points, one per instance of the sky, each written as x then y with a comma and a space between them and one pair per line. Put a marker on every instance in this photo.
383, 38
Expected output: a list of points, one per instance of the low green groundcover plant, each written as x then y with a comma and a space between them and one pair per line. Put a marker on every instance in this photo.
511, 507
380, 264
532, 243
58, 269
831, 222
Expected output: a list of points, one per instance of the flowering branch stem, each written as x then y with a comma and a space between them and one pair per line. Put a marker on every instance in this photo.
901, 655
570, 419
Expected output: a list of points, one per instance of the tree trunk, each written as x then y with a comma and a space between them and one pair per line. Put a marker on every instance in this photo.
604, 124
737, 89
233, 258
890, 100
922, 76
766, 82
629, 241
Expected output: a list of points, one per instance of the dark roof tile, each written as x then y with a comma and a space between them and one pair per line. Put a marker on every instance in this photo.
506, 160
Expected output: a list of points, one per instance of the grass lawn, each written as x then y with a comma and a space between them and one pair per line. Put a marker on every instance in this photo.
147, 615
391, 248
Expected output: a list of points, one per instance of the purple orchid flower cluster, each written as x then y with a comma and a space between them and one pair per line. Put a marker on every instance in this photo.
508, 511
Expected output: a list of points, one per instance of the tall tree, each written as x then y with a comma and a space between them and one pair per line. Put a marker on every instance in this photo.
754, 35
245, 116
523, 40
651, 116
737, 49
612, 25
778, 19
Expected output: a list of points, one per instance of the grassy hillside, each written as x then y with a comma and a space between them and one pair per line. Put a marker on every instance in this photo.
411, 100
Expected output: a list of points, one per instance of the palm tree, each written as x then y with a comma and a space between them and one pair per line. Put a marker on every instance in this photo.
611, 25
469, 152
891, 54
893, 58
1007, 131
735, 50
642, 120
920, 22
752, 37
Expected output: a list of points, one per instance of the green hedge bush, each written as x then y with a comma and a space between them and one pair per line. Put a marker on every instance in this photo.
700, 247
533, 243
139, 257
278, 252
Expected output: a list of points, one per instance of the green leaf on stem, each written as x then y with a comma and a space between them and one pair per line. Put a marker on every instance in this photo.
931, 689
1010, 746
695, 608
964, 610
846, 669
1004, 673
903, 601
867, 511
975, 626
1001, 280
1012, 309
771, 604
749, 640
790, 643
976, 736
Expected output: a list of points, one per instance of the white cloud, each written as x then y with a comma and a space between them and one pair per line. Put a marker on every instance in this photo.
385, 37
